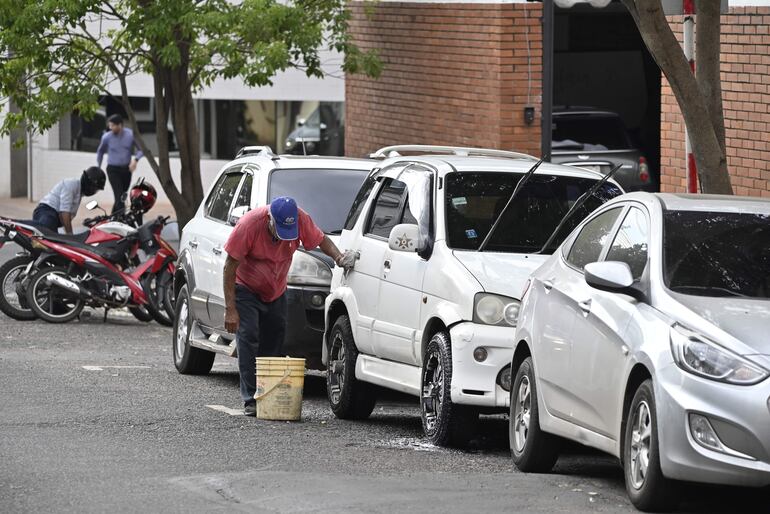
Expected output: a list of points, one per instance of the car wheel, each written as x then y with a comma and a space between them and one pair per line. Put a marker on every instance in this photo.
51, 303
443, 422
647, 488
188, 359
532, 449
349, 398
13, 300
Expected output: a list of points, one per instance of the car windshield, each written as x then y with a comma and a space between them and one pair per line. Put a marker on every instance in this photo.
323, 193
589, 133
474, 200
717, 253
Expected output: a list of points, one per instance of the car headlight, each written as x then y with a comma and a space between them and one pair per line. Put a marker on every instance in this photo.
698, 355
308, 270
492, 309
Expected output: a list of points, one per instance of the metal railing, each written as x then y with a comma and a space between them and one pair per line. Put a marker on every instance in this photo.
398, 150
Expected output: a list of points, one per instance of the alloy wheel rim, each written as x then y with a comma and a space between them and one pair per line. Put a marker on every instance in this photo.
48, 297
181, 330
432, 391
641, 437
10, 288
336, 373
522, 414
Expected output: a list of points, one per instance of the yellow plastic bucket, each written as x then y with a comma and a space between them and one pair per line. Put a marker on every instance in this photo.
280, 381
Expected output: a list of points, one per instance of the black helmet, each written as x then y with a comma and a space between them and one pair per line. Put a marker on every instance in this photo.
92, 181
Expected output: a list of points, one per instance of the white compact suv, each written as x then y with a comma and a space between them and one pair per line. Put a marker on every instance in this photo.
429, 309
323, 186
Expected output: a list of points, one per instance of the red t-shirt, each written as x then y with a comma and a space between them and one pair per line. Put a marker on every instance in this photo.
264, 262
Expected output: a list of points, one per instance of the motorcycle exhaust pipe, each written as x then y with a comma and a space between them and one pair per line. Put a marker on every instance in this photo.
69, 285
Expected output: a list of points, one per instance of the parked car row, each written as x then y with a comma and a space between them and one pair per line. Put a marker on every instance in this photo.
491, 282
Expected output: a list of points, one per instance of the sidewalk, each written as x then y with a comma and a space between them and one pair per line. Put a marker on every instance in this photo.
21, 208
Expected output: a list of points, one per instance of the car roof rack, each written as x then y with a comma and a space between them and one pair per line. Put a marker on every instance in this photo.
396, 151
256, 150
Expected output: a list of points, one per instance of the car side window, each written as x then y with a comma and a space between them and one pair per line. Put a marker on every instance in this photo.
630, 244
359, 202
218, 203
386, 213
244, 195
588, 245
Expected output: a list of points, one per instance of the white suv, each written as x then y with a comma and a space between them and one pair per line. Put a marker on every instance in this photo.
323, 186
425, 311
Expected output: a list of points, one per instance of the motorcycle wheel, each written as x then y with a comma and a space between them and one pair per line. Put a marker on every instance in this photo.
50, 303
156, 300
141, 313
13, 300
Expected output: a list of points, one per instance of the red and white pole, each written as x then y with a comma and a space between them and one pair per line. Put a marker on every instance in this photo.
688, 7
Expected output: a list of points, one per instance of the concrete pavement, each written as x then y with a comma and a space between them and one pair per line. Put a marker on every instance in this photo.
95, 418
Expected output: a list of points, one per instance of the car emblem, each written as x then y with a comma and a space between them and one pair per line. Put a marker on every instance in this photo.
403, 242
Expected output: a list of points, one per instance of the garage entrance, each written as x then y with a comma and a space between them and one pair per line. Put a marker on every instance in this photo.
601, 62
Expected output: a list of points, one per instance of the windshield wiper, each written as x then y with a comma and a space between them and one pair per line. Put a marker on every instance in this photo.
710, 288
516, 190
578, 204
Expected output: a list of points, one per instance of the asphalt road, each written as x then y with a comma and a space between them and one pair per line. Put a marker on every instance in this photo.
94, 418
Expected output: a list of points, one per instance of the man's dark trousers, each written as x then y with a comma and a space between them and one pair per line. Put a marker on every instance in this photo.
120, 180
46, 216
260, 333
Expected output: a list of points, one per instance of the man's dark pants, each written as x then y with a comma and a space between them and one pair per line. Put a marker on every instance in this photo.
46, 216
120, 180
260, 333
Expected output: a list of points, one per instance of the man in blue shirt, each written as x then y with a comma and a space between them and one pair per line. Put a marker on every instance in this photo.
119, 144
57, 208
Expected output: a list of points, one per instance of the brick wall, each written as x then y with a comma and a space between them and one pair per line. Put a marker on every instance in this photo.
454, 74
746, 96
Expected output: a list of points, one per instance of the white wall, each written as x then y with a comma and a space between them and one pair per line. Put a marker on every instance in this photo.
51, 166
5, 161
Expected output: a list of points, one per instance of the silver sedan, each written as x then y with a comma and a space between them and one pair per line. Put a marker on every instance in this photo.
647, 335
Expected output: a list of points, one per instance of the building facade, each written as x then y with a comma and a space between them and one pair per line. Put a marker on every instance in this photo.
466, 73
230, 115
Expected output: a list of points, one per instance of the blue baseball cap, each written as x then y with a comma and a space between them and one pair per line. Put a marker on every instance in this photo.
286, 217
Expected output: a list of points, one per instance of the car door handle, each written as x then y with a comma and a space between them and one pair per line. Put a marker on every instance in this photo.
192, 244
217, 250
585, 307
547, 285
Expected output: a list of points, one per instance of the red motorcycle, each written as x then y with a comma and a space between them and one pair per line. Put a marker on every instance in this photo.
99, 276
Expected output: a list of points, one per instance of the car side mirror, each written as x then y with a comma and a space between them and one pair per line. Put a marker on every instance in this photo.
93, 204
237, 213
612, 276
404, 238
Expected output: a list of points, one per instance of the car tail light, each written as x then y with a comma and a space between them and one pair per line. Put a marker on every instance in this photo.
644, 170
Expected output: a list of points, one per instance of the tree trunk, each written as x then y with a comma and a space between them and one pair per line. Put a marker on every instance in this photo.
665, 49
707, 52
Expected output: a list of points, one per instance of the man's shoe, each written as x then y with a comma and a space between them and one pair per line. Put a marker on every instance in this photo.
250, 409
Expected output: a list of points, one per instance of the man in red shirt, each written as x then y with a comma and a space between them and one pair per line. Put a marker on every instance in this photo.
259, 252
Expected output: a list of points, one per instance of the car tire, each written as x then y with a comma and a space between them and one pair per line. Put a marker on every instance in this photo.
63, 311
532, 450
9, 273
443, 422
652, 491
349, 398
188, 359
